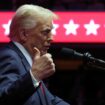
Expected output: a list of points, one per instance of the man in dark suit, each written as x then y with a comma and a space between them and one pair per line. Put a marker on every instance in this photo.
24, 61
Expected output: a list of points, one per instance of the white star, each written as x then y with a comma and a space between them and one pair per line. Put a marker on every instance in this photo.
71, 27
91, 28
55, 26
6, 27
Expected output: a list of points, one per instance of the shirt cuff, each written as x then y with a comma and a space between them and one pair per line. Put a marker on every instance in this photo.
34, 80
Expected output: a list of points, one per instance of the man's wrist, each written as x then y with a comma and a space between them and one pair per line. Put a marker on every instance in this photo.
34, 80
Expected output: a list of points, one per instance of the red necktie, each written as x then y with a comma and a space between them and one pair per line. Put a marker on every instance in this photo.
42, 89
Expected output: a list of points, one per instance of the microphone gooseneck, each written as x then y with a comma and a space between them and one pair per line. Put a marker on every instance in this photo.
86, 58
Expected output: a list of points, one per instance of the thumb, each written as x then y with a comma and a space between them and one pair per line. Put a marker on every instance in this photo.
37, 53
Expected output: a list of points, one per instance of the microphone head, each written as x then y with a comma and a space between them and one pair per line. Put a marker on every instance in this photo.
70, 53
67, 53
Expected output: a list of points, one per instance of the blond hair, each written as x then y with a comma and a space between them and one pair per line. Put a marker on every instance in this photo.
28, 16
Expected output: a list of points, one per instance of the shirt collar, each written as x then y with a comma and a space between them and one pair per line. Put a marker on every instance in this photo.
25, 52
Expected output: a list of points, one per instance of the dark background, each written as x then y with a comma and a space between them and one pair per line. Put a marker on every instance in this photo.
79, 84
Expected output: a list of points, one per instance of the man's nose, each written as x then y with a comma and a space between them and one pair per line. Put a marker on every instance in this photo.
50, 39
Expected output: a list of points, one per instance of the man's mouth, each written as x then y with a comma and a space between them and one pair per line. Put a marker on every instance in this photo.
46, 47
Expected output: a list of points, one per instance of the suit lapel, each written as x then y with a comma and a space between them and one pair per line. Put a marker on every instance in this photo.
48, 97
23, 59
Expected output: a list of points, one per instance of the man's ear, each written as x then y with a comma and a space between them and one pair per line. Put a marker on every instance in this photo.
23, 35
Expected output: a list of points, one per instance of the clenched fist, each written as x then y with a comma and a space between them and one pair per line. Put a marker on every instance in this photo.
43, 66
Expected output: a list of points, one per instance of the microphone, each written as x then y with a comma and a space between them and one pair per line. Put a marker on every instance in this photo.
86, 57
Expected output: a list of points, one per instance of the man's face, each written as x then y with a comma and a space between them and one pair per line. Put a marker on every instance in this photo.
39, 37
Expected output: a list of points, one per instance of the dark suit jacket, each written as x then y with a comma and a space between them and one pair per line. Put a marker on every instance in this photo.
16, 87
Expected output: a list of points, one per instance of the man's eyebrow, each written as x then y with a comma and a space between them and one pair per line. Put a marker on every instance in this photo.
48, 28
